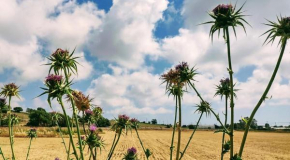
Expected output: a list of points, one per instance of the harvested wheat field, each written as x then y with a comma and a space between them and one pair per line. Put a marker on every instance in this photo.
205, 145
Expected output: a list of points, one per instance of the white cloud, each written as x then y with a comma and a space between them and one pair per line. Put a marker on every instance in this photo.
126, 34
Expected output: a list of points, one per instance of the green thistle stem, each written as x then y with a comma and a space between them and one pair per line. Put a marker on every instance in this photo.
113, 144
92, 153
182, 154
10, 129
28, 149
75, 116
141, 142
111, 154
179, 129
264, 96
2, 153
174, 127
226, 118
68, 127
196, 91
60, 133
232, 93
0, 115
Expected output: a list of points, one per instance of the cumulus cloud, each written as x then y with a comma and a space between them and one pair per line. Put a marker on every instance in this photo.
126, 35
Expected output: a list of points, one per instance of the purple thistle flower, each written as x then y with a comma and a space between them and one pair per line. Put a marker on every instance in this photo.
124, 117
56, 158
53, 78
222, 9
134, 120
93, 128
60, 52
182, 66
89, 112
132, 150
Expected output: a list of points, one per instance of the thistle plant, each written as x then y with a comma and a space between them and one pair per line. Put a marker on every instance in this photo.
202, 108
282, 30
94, 141
225, 16
31, 134
131, 154
61, 61
224, 89
121, 124
135, 126
10, 90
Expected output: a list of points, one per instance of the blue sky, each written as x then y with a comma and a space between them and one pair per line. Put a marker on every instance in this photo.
125, 45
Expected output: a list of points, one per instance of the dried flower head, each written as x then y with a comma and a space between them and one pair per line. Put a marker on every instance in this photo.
82, 102
62, 60
280, 29
225, 16
10, 90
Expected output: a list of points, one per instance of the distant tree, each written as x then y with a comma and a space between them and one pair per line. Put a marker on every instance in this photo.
41, 109
18, 109
154, 121
242, 123
28, 110
103, 122
39, 117
191, 126
267, 126
149, 122
184, 126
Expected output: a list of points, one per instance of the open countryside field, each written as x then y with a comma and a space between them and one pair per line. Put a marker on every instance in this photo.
205, 146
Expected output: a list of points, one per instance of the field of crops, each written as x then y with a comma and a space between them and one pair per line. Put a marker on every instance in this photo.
205, 145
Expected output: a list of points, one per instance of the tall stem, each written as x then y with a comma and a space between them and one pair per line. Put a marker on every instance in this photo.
182, 154
141, 143
174, 126
219, 120
75, 117
2, 153
179, 128
28, 149
119, 135
232, 93
69, 129
113, 143
0, 116
10, 129
60, 133
226, 118
264, 96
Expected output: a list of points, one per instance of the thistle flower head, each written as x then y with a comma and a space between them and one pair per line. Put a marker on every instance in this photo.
82, 102
131, 154
62, 60
89, 112
224, 88
226, 146
134, 123
56, 158
10, 90
203, 107
132, 150
280, 29
223, 9
121, 123
32, 133
224, 16
93, 128
95, 141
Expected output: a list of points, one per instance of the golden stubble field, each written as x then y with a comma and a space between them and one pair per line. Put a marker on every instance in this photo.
205, 146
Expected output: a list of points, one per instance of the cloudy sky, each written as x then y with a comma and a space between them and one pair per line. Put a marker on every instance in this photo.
125, 45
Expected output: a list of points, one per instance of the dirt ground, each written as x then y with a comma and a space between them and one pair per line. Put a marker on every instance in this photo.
205, 146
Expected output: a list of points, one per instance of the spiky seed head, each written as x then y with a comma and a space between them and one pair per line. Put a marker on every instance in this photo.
82, 102
10, 90
134, 123
280, 29
132, 151
203, 107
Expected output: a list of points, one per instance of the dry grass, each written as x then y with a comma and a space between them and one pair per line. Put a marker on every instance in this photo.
205, 146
